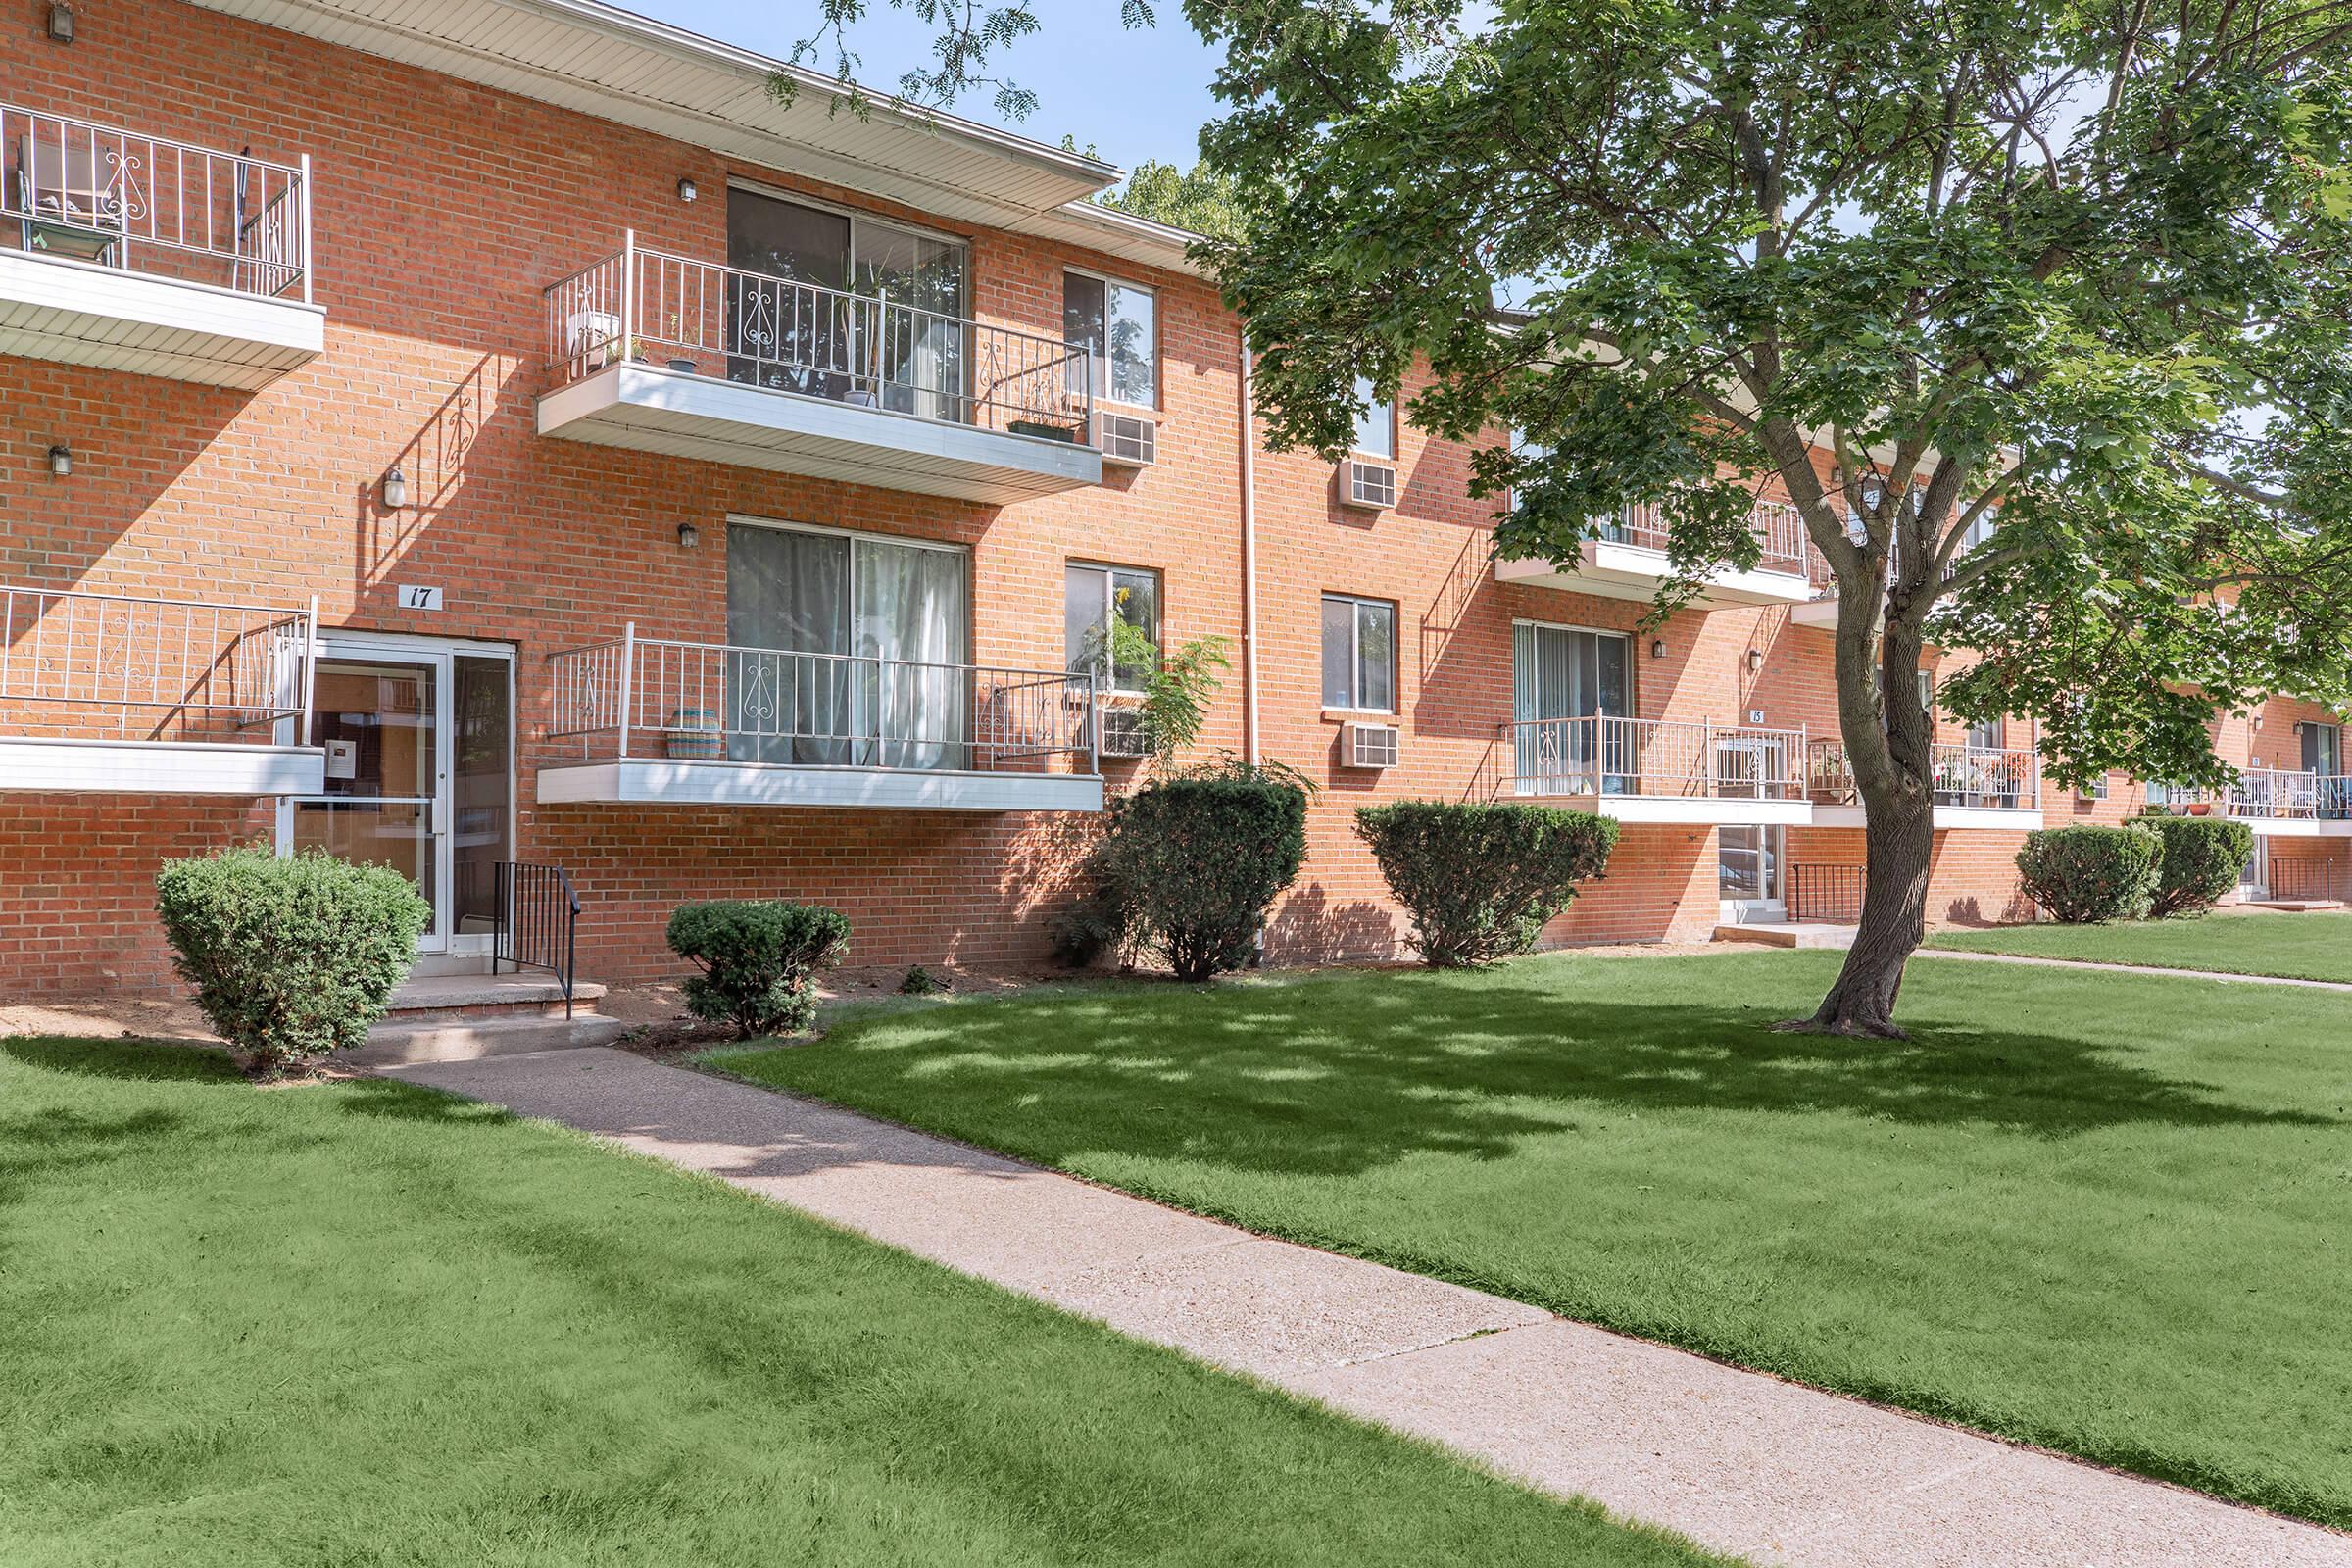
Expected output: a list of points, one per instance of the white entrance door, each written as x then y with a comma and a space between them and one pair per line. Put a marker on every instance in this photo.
420, 762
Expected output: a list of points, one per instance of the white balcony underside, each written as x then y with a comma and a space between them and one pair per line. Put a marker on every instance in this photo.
1693, 810
2002, 819
1631, 571
2295, 828
650, 782
78, 312
655, 409
158, 768
1821, 614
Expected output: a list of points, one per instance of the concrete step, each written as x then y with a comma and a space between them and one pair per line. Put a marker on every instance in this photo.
1788, 934
2294, 906
528, 993
398, 1041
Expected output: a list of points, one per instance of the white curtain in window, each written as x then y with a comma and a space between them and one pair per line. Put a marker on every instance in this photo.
910, 622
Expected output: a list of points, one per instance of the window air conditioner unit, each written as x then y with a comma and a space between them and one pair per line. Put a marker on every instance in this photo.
1123, 733
1372, 745
1130, 440
1370, 485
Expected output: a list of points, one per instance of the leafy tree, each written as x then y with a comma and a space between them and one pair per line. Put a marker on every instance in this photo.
1202, 199
2076, 269
2080, 270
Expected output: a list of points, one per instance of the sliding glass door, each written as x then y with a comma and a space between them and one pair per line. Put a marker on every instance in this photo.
850, 650
1566, 686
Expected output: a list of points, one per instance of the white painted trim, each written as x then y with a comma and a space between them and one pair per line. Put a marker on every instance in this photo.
1614, 571
649, 782
231, 338
1705, 809
2293, 827
158, 768
2012, 819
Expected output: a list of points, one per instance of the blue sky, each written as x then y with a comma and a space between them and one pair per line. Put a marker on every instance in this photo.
1130, 95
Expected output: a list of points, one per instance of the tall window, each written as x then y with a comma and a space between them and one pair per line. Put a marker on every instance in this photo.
1986, 736
849, 650
1359, 653
1111, 623
1571, 691
1118, 326
798, 334
1375, 421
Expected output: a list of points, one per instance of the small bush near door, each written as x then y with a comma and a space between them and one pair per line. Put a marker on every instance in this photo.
1482, 880
292, 957
2090, 875
759, 959
2200, 863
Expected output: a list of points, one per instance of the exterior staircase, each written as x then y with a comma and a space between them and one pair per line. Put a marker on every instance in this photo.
444, 1016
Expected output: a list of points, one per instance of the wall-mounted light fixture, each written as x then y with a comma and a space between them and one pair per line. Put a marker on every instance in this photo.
687, 189
689, 536
1755, 660
61, 459
2254, 721
396, 489
60, 22
1657, 648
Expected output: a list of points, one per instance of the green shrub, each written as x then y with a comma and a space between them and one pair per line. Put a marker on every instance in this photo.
759, 958
1100, 921
1481, 880
1191, 862
2199, 863
292, 957
2090, 875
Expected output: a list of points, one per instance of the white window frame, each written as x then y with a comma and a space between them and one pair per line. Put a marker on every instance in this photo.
1374, 401
1111, 281
1111, 571
1355, 653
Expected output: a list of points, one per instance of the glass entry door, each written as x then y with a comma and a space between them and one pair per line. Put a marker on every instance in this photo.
1571, 692
419, 743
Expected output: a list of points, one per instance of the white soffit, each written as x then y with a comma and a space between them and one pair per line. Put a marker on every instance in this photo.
599, 60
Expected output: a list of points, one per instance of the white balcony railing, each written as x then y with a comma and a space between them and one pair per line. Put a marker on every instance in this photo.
2270, 794
2000, 778
97, 193
866, 351
645, 698
103, 667
1603, 754
1778, 527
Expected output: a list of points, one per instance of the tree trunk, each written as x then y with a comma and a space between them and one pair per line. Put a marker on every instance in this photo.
1889, 742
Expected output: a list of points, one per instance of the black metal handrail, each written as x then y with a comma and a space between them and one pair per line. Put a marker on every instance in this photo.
2308, 878
1829, 893
538, 922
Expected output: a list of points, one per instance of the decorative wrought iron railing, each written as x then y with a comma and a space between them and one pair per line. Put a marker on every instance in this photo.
1603, 754
76, 666
98, 194
1964, 775
538, 916
638, 697
1778, 527
866, 351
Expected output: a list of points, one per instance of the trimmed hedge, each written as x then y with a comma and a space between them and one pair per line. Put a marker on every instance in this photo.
292, 957
759, 958
1481, 880
1192, 862
2200, 862
2090, 875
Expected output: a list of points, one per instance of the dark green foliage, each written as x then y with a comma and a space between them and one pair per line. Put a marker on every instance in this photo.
1481, 880
1190, 866
2200, 862
292, 957
759, 958
921, 982
1099, 922
2090, 875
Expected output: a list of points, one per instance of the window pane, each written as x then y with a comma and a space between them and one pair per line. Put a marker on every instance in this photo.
1339, 653
1082, 324
1082, 620
1375, 422
484, 743
1376, 653
1134, 346
1135, 600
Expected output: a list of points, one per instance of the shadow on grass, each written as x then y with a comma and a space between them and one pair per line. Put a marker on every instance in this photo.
153, 1060
399, 1102
1334, 1078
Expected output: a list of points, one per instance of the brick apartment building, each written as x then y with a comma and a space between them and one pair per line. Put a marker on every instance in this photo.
465, 433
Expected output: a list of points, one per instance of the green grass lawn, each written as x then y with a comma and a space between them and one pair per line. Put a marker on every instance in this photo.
2110, 1214
365, 1324
2317, 946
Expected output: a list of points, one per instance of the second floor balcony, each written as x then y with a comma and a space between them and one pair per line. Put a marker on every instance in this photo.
2277, 802
665, 353
1974, 786
1657, 770
128, 251
661, 721
1628, 559
111, 694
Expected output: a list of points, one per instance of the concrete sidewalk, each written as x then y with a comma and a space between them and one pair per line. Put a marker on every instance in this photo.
1740, 1462
1973, 955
